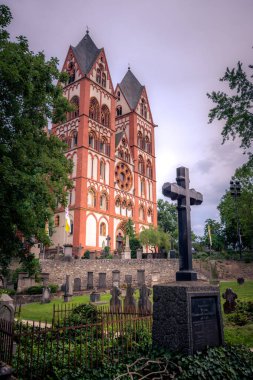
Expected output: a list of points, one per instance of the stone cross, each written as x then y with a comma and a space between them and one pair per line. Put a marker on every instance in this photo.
185, 198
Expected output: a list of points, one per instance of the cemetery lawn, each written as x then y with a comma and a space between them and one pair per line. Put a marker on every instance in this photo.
233, 333
44, 312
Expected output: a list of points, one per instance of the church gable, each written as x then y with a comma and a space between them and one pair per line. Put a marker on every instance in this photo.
100, 73
143, 108
131, 89
122, 148
122, 106
71, 67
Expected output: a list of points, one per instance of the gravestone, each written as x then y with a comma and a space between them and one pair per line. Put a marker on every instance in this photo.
77, 284
102, 280
45, 295
7, 309
144, 303
94, 296
115, 302
68, 248
90, 280
172, 254
240, 280
93, 255
128, 279
230, 304
116, 278
139, 253
127, 251
140, 277
186, 314
129, 301
149, 256
68, 294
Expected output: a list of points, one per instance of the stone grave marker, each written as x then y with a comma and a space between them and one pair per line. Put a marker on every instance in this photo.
90, 280
127, 251
95, 296
129, 301
116, 278
68, 294
144, 303
115, 302
230, 304
45, 298
172, 254
186, 314
77, 284
6, 308
139, 253
102, 280
140, 277
128, 279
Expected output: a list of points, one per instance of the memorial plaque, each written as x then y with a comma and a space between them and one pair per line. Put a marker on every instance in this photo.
206, 329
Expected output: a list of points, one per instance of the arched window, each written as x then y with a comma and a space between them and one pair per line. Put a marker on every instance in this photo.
130, 209
56, 220
103, 142
139, 139
119, 111
75, 104
105, 116
141, 165
71, 72
118, 95
143, 108
117, 202
103, 80
91, 198
149, 214
142, 187
141, 213
147, 145
98, 76
74, 139
102, 229
127, 157
102, 169
149, 169
124, 204
92, 139
94, 109
103, 202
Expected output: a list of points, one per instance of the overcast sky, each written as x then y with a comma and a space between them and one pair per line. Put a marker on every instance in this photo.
178, 49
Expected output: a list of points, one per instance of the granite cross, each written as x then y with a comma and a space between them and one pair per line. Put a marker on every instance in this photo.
185, 198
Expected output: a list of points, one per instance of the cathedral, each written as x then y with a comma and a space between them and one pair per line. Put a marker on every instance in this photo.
111, 141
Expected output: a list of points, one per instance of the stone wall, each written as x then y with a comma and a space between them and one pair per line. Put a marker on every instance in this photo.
158, 271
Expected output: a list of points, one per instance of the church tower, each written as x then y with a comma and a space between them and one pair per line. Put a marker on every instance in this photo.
110, 138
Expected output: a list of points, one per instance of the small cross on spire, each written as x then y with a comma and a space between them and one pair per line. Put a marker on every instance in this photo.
87, 30
129, 66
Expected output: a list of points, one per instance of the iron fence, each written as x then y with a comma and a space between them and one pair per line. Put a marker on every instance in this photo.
42, 348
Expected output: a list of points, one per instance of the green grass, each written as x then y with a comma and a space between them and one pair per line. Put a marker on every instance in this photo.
234, 334
44, 312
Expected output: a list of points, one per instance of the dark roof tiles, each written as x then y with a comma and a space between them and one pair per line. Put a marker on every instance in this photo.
131, 89
86, 53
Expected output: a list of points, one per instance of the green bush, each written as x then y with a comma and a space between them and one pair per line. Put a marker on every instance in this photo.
239, 319
86, 255
10, 292
38, 289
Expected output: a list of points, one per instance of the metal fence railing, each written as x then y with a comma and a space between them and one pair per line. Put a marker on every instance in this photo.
41, 348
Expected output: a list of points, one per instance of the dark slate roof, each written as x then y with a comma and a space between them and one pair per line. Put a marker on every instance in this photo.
86, 53
118, 138
131, 89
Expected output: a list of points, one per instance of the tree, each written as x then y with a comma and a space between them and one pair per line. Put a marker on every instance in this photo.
134, 242
236, 108
155, 238
217, 234
33, 171
167, 220
228, 212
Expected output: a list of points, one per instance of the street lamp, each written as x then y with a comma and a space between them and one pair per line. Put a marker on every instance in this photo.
235, 191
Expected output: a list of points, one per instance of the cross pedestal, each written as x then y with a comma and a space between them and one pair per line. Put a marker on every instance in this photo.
186, 314
185, 198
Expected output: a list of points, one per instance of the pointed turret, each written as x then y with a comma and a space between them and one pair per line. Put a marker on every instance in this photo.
86, 53
131, 89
